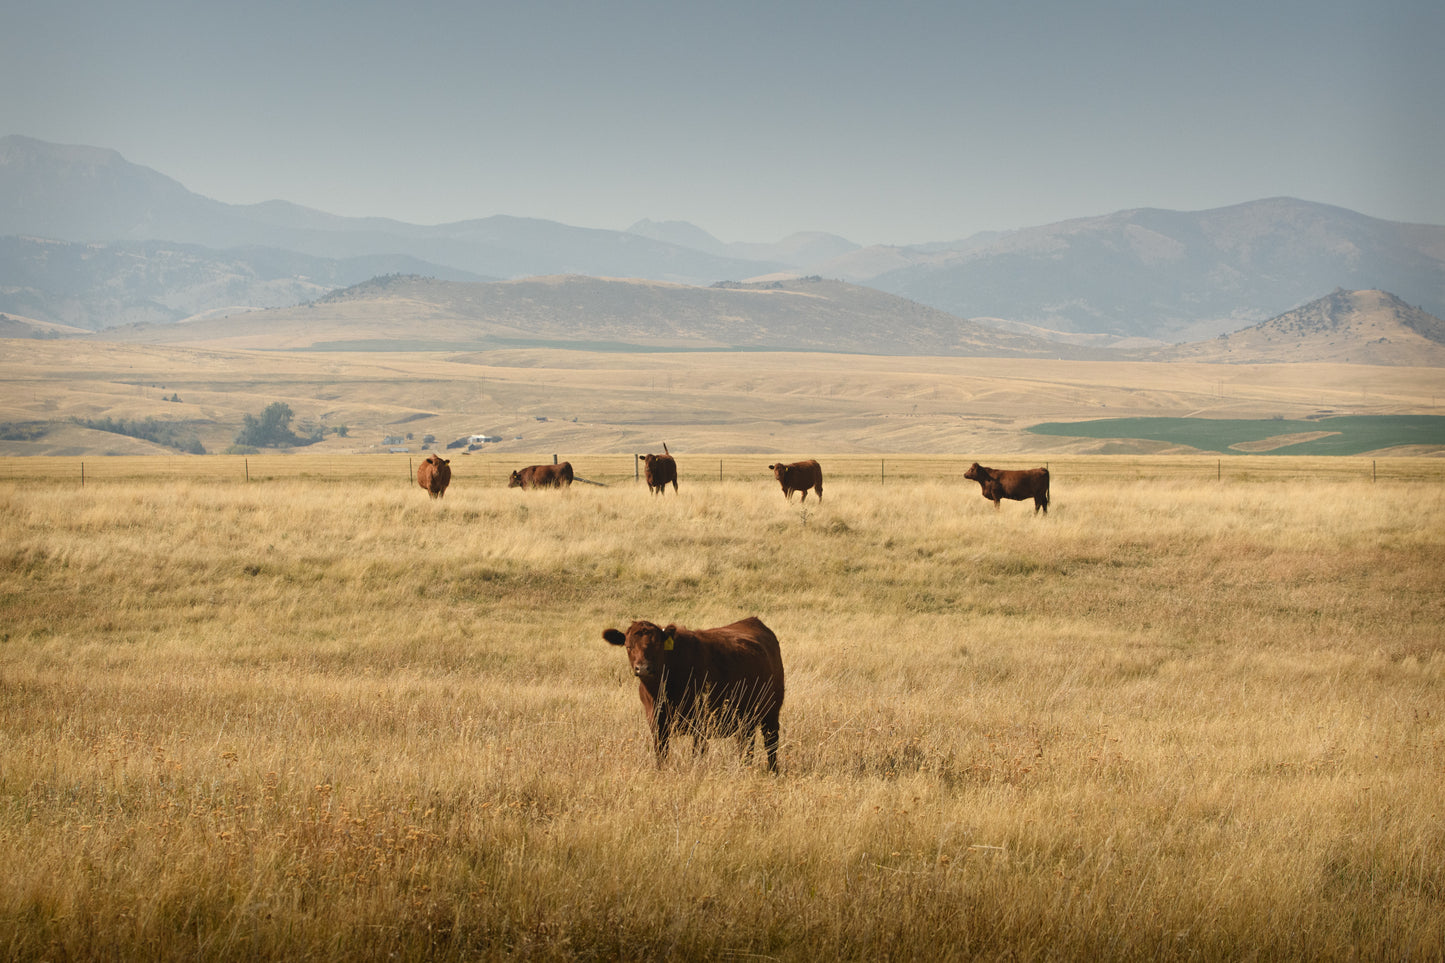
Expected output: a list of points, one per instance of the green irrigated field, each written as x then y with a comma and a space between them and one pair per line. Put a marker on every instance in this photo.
1341, 435
1190, 714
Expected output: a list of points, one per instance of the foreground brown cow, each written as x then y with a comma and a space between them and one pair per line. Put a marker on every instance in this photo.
542, 476
1016, 485
659, 470
709, 682
435, 474
799, 477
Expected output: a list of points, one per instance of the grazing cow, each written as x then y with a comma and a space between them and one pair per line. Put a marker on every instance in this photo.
435, 474
997, 484
709, 682
799, 477
659, 470
542, 476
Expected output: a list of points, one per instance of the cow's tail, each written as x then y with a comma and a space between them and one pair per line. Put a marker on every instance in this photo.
1046, 491
665, 451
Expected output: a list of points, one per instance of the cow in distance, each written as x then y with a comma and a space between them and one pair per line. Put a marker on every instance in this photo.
659, 470
997, 484
704, 683
799, 477
434, 474
542, 476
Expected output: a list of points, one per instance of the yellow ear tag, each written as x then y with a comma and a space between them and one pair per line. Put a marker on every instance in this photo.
667, 644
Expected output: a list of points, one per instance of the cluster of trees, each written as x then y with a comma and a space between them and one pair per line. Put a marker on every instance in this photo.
272, 429
169, 433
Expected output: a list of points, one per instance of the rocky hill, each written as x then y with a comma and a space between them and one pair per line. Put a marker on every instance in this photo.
1357, 327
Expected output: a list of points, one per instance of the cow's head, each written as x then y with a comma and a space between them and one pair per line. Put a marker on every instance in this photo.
647, 648
976, 472
516, 481
777, 470
438, 460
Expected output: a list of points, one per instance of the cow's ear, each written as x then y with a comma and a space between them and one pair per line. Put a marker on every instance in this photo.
614, 636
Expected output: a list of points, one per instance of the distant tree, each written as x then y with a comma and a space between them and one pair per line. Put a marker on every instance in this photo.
341, 430
271, 430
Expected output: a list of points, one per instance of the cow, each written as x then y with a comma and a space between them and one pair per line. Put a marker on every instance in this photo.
998, 483
726, 681
542, 476
434, 474
659, 470
799, 477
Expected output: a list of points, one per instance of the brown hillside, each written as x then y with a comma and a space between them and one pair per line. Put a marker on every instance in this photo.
1352, 327
412, 313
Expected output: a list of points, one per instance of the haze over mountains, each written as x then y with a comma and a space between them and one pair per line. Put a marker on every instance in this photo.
90, 240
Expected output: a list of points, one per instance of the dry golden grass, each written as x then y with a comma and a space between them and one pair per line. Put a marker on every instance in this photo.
327, 717
714, 402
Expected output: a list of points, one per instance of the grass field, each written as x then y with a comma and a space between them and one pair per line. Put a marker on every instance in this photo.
1193, 713
1336, 435
550, 400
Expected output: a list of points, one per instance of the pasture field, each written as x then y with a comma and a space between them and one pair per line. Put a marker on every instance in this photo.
554, 400
1192, 713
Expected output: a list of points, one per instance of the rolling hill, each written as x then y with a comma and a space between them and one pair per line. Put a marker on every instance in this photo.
414, 313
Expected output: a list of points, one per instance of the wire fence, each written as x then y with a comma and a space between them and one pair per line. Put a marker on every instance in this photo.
624, 469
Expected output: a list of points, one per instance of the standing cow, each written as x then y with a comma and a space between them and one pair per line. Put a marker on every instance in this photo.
997, 483
799, 477
542, 476
726, 681
434, 474
659, 470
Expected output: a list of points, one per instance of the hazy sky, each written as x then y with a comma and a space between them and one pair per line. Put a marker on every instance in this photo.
888, 122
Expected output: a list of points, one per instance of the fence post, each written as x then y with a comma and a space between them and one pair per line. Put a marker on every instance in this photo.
1373, 475
82, 474
247, 463
719, 469
881, 477
554, 458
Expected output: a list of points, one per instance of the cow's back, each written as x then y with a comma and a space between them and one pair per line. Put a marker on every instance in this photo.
744, 653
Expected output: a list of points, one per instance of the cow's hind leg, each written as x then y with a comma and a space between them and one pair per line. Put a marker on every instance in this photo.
770, 729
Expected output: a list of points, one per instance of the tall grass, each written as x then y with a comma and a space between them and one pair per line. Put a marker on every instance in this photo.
1176, 718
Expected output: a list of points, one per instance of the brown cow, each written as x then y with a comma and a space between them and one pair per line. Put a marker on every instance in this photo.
709, 682
799, 477
659, 470
1018, 486
434, 474
542, 476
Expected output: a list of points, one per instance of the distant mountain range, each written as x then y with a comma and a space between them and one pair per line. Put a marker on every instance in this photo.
93, 241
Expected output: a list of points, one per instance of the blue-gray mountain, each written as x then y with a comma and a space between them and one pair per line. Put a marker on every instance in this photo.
1164, 275
1168, 275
